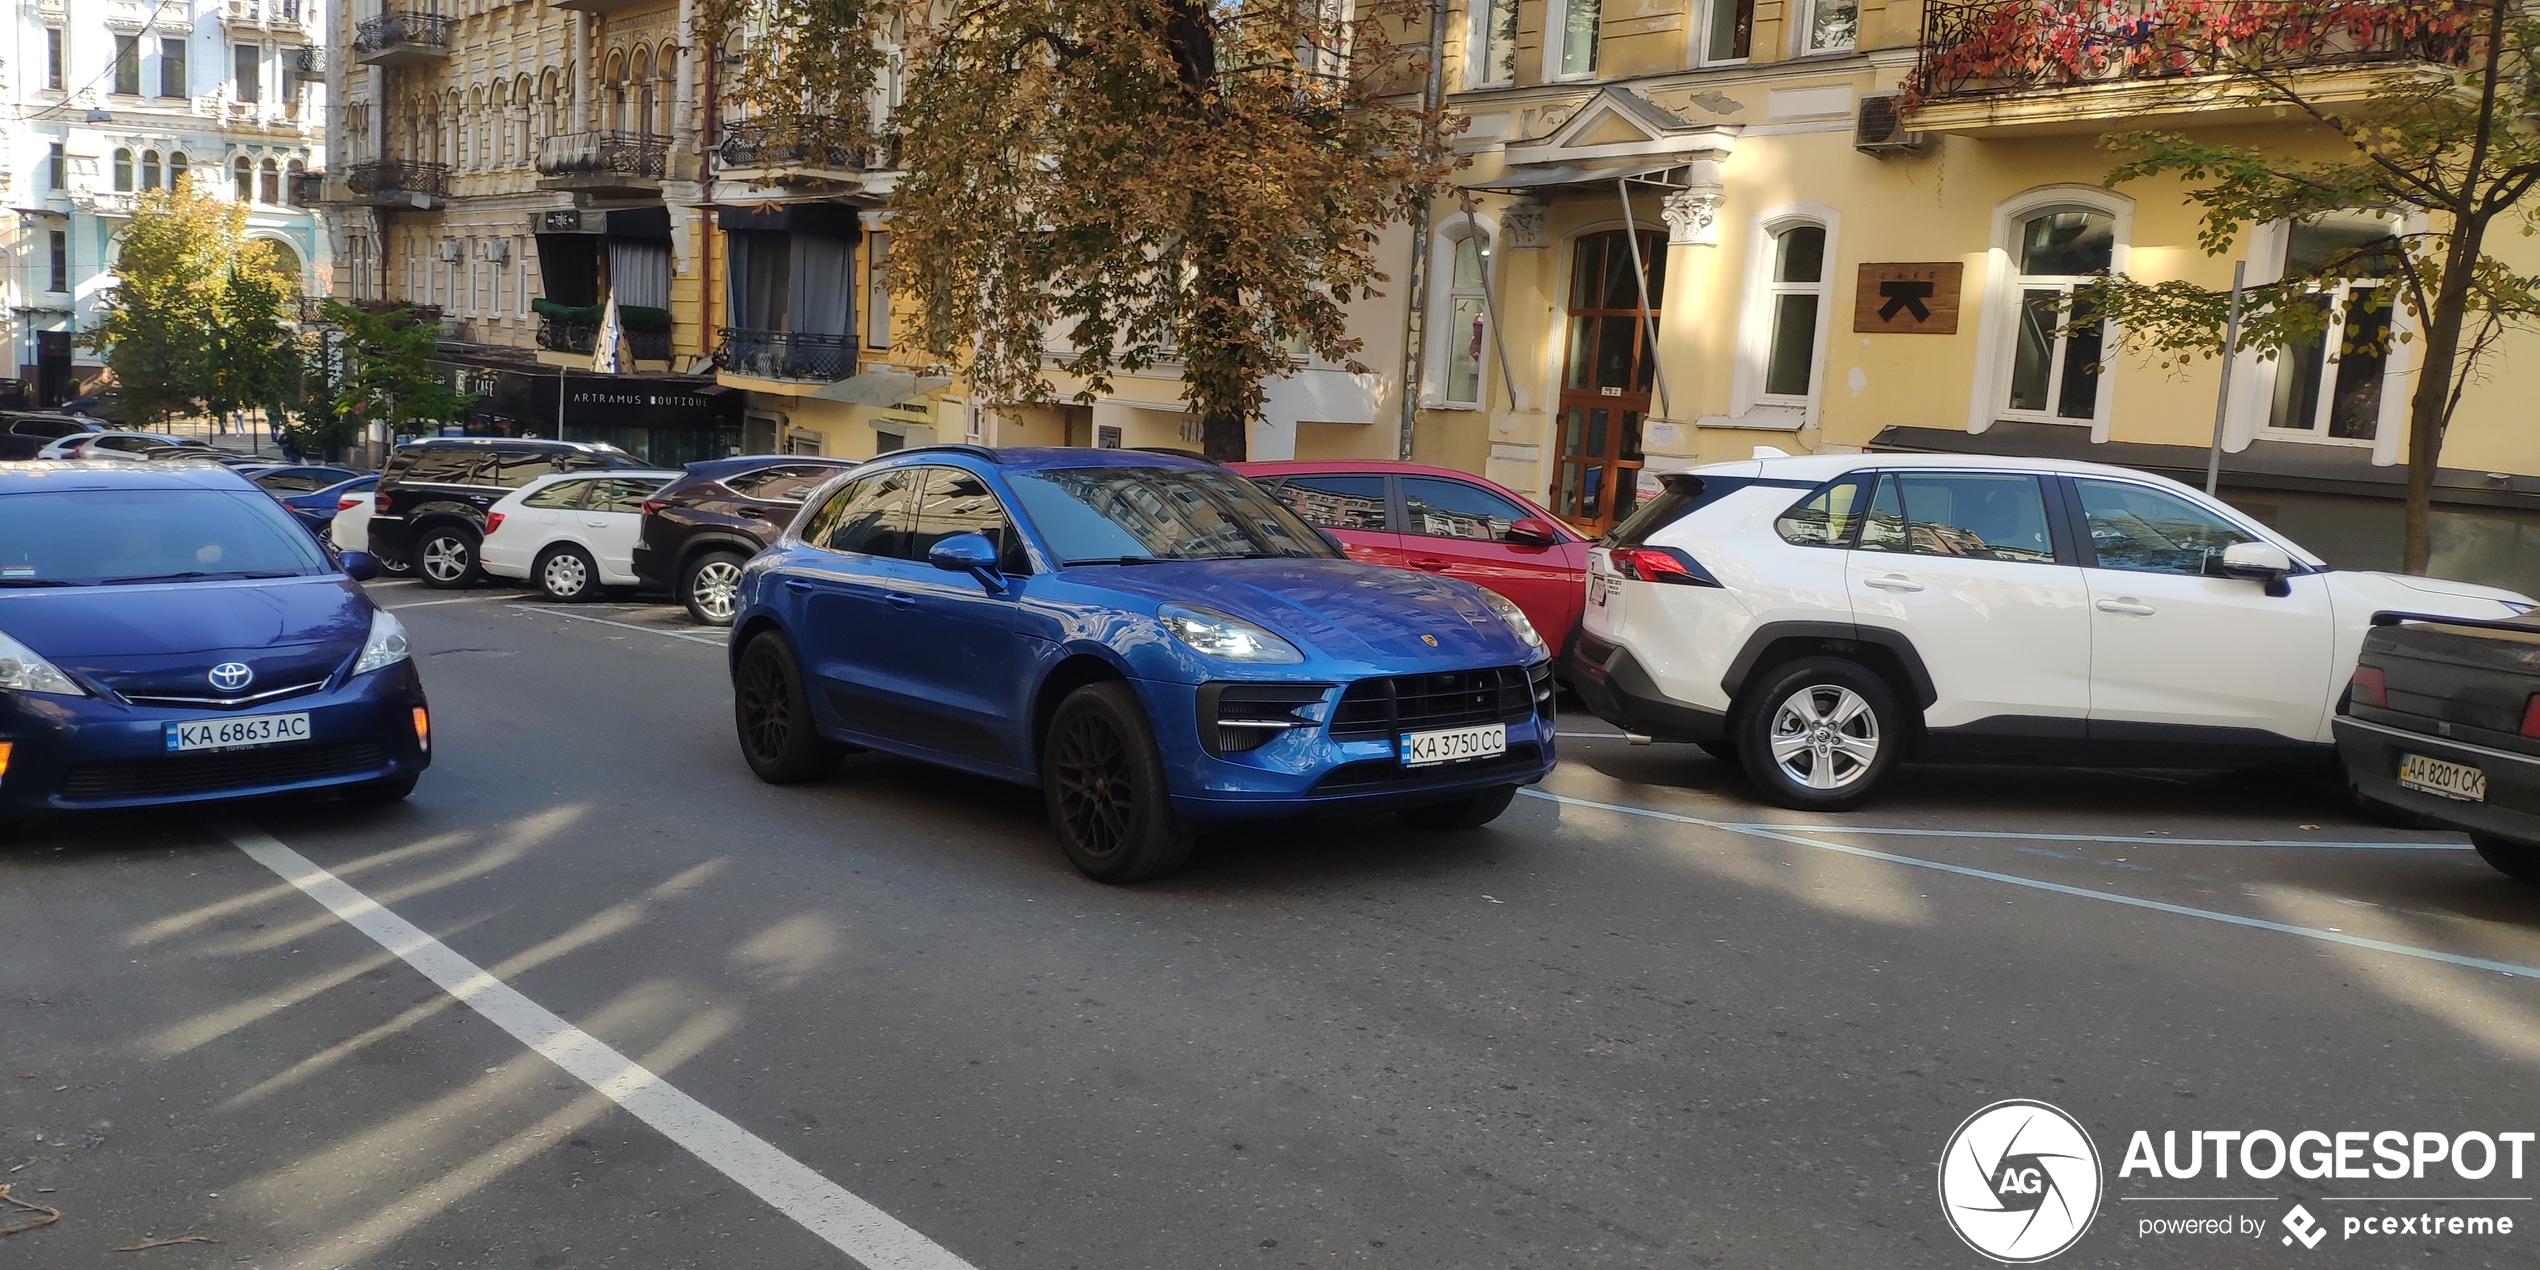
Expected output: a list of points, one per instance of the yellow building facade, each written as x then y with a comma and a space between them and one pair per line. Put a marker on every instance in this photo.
1831, 265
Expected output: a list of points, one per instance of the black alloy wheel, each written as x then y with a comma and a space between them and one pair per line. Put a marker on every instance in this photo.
710, 587
1103, 782
773, 716
445, 558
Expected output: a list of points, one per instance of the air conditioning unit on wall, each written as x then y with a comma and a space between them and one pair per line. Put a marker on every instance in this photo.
1878, 126
494, 249
446, 250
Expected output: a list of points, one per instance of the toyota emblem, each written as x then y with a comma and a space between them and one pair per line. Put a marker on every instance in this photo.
230, 676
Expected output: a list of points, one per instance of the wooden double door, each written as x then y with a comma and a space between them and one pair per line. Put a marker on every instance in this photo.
1605, 380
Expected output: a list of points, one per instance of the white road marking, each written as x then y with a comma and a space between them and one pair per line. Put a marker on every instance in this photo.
850, 1224
624, 626
399, 608
2362, 844
2106, 897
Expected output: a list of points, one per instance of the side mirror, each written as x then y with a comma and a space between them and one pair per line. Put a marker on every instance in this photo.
1335, 540
1533, 531
2259, 562
360, 566
968, 553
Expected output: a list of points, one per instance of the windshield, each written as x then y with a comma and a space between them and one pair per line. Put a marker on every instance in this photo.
95, 537
1104, 515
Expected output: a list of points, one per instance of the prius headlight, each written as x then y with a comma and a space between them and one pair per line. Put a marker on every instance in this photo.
22, 671
1514, 616
1215, 634
387, 644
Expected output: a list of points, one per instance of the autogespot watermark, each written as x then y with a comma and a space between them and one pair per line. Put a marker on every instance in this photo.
2021, 1181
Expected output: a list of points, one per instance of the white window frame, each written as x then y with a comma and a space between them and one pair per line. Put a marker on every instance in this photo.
1556, 25
1698, 36
1999, 325
1476, 47
1806, 12
2254, 376
1755, 325
1442, 297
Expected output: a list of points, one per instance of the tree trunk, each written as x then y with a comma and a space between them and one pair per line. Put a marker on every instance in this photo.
2426, 410
1223, 436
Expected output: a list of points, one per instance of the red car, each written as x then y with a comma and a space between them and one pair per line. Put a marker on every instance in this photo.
1412, 516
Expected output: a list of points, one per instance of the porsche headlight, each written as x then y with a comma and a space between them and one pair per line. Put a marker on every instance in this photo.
387, 644
1216, 635
1514, 616
22, 671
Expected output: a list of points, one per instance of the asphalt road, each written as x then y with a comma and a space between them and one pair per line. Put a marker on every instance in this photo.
1640, 1021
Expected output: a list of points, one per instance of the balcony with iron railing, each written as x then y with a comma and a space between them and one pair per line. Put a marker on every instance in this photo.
610, 163
812, 146
559, 336
2049, 66
397, 182
791, 355
401, 38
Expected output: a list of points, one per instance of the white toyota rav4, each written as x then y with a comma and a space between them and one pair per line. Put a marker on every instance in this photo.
1818, 619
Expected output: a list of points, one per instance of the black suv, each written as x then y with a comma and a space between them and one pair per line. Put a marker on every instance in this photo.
700, 528
429, 511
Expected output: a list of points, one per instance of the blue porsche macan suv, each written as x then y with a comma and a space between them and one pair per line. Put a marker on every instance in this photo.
168, 634
1157, 643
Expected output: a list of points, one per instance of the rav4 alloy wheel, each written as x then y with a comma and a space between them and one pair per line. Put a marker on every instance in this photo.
1819, 734
711, 588
446, 558
1104, 784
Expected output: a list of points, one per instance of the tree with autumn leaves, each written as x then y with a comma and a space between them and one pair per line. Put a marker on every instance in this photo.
2420, 115
1105, 186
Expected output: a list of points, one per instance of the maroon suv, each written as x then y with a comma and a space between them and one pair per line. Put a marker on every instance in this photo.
699, 529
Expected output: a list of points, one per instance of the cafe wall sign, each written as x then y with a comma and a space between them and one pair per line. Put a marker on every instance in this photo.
1908, 299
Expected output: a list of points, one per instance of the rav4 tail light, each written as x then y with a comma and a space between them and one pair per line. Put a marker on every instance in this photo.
1660, 564
493, 521
2531, 717
2371, 689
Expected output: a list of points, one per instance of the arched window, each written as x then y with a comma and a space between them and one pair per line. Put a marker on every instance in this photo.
1463, 345
123, 171
1796, 281
291, 187
2037, 360
149, 169
613, 96
1782, 321
269, 184
666, 73
243, 174
176, 170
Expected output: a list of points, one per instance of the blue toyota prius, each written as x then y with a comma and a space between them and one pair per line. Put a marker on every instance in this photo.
169, 634
1157, 643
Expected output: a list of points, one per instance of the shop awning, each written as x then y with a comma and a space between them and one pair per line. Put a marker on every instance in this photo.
1531, 177
881, 388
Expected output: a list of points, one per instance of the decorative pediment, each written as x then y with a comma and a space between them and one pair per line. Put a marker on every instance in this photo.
1619, 124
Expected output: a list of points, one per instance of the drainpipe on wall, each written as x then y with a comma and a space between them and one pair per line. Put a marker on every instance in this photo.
1415, 315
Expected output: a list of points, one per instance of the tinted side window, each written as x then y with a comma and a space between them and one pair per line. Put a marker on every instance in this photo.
292, 481
515, 468
788, 483
2145, 530
824, 522
1828, 516
560, 494
1440, 508
449, 466
621, 493
1336, 502
957, 502
1975, 515
880, 520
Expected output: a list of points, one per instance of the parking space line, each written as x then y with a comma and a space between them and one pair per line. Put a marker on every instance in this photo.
624, 626
2035, 884
2364, 844
463, 599
846, 1221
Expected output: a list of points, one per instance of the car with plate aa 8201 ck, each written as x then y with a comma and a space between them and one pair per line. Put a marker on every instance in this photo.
1158, 643
2442, 723
169, 634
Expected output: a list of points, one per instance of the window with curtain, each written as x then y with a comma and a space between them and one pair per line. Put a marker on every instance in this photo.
761, 270
2055, 356
823, 285
1832, 25
1491, 48
639, 271
123, 171
1798, 289
1467, 319
1572, 34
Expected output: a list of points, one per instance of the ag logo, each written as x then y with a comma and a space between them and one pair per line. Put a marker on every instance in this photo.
2019, 1181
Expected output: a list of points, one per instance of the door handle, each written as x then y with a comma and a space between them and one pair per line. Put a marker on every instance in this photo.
1432, 564
753, 513
2127, 605
900, 599
1893, 582
798, 586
